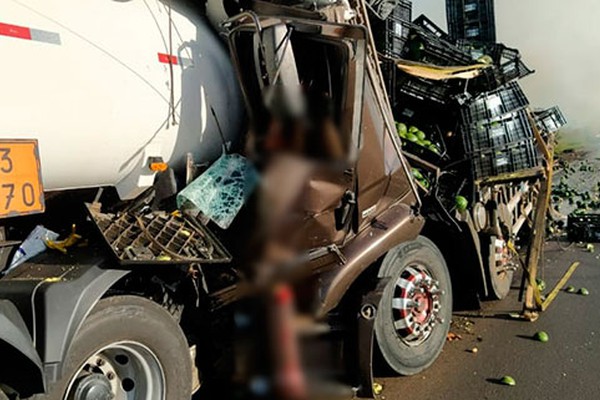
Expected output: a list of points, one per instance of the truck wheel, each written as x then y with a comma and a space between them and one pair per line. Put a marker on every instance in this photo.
499, 275
127, 348
416, 306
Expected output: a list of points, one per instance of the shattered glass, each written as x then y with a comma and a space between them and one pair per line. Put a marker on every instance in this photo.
221, 191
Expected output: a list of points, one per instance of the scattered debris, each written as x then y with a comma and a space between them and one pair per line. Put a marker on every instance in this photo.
377, 388
33, 245
541, 336
63, 245
451, 337
589, 247
508, 380
158, 237
541, 284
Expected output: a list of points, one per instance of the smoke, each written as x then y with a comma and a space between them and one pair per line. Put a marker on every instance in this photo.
560, 40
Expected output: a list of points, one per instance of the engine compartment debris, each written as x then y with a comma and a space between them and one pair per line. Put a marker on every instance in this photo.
158, 238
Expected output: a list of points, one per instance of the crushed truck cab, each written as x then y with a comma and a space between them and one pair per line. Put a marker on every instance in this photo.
135, 270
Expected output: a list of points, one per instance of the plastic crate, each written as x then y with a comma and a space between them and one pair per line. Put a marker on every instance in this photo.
390, 73
425, 47
499, 53
384, 8
492, 105
494, 77
550, 120
423, 89
505, 159
484, 135
390, 35
431, 27
471, 19
516, 69
583, 228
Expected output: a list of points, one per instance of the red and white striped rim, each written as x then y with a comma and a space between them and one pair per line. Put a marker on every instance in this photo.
416, 305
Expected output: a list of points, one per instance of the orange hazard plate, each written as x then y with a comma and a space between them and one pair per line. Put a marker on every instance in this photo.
21, 191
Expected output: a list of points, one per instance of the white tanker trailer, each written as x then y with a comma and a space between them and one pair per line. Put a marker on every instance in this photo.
106, 86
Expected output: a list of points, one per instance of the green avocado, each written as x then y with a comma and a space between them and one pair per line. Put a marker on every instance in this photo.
402, 130
461, 203
412, 137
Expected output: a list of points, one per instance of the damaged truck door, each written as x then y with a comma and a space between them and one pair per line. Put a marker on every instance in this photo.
303, 86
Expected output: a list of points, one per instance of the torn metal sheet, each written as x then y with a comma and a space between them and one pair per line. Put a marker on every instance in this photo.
158, 238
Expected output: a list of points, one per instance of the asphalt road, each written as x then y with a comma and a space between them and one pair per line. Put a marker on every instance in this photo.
566, 367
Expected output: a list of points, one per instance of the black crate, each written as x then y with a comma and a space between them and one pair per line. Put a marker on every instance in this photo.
512, 70
425, 47
509, 158
472, 20
583, 228
384, 8
485, 135
550, 120
423, 89
494, 104
389, 70
498, 52
432, 28
494, 77
390, 35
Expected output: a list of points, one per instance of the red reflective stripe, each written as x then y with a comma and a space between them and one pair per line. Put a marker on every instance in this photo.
164, 58
15, 31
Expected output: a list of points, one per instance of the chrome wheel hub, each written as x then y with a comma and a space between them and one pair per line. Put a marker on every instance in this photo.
416, 305
120, 371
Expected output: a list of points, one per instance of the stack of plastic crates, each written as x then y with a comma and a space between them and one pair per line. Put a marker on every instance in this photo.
427, 44
550, 120
497, 132
471, 20
390, 35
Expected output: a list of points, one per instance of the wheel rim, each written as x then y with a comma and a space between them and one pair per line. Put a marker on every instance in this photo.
416, 305
119, 371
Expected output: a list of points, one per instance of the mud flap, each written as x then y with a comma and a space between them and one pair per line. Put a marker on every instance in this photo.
366, 339
25, 372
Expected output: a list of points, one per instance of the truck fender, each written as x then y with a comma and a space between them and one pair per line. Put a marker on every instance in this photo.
54, 298
61, 308
25, 372
396, 225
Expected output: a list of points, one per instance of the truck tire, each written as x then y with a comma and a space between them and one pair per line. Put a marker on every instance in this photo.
128, 348
499, 279
414, 314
